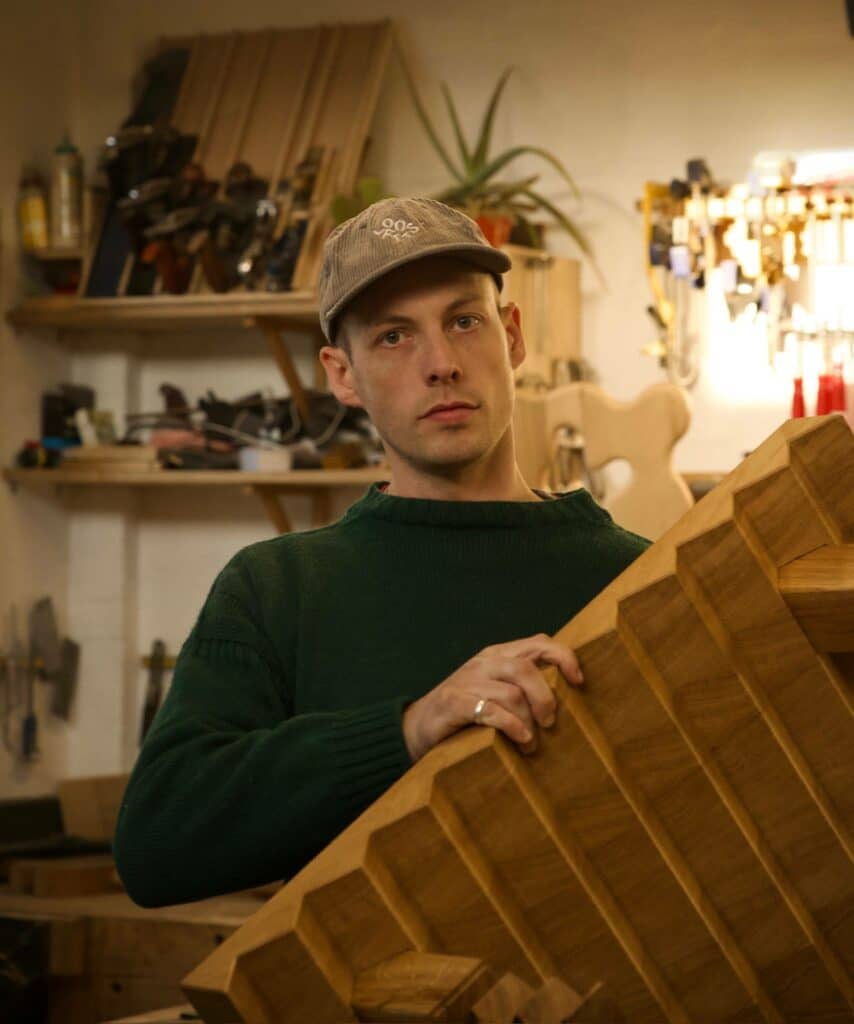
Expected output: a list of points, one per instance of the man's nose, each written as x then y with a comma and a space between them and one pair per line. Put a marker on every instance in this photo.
440, 357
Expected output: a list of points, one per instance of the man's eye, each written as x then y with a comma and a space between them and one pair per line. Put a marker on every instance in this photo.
466, 322
391, 336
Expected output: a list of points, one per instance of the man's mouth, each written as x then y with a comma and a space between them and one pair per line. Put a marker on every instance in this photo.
450, 411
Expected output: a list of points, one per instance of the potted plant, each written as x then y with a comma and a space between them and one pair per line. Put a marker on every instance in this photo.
368, 191
496, 205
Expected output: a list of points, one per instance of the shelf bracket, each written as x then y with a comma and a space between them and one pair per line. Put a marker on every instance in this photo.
272, 327
271, 495
273, 507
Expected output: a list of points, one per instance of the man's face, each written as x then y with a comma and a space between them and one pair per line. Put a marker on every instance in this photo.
425, 334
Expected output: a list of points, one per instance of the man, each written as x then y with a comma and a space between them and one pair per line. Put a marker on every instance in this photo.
323, 664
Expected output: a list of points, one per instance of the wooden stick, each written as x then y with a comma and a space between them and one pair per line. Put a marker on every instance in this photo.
273, 507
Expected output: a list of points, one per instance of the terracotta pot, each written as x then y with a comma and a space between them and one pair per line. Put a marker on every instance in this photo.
495, 227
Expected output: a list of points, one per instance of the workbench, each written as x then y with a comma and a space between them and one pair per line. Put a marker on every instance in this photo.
109, 959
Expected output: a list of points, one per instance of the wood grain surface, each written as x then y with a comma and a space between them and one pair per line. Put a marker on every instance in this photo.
681, 837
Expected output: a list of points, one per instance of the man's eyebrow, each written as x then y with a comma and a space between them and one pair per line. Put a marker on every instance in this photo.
398, 318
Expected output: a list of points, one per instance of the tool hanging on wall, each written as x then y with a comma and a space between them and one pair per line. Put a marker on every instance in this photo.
53, 660
776, 249
675, 263
11, 669
29, 749
154, 687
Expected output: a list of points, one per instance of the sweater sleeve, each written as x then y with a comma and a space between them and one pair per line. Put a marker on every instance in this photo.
231, 789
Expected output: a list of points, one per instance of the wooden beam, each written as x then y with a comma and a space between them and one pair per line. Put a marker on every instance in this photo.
819, 589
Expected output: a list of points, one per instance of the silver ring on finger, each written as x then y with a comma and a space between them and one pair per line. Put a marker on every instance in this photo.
478, 711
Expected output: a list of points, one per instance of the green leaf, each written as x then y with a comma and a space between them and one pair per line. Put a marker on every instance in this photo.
482, 147
343, 208
510, 188
501, 161
465, 153
370, 190
428, 126
570, 229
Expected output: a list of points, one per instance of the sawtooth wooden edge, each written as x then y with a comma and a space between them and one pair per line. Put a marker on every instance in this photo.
504, 1002
683, 833
511, 1001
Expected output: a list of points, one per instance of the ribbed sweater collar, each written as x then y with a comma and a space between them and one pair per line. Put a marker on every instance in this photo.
577, 506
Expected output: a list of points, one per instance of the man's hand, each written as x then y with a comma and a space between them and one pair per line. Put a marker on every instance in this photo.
504, 676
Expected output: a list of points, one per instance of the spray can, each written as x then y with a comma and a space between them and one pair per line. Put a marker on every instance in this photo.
66, 195
32, 211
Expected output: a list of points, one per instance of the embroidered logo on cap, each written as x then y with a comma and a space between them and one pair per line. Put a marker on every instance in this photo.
397, 229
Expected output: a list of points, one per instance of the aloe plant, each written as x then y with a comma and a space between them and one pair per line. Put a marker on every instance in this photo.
473, 171
368, 191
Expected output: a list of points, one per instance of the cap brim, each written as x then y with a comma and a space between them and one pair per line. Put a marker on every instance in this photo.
485, 257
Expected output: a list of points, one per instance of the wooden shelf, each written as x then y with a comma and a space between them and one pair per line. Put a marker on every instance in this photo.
56, 252
295, 480
267, 487
166, 312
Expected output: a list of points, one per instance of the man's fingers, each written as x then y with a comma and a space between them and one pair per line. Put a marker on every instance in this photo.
528, 686
543, 648
498, 717
497, 692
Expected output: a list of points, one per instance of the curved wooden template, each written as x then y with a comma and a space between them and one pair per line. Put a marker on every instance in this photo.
643, 432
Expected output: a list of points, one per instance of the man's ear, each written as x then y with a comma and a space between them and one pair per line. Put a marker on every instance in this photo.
512, 320
339, 374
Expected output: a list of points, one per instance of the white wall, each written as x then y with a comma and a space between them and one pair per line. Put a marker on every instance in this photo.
622, 92
38, 101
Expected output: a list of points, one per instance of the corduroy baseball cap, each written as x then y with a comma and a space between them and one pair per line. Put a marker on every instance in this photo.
388, 234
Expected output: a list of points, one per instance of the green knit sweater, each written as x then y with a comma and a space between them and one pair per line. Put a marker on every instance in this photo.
283, 721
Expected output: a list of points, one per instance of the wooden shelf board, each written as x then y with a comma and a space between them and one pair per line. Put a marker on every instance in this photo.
294, 480
165, 312
56, 252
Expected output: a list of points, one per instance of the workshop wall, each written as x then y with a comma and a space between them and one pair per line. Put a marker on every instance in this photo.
621, 92
39, 48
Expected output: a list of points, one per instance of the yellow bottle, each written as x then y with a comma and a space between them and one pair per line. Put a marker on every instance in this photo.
32, 211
